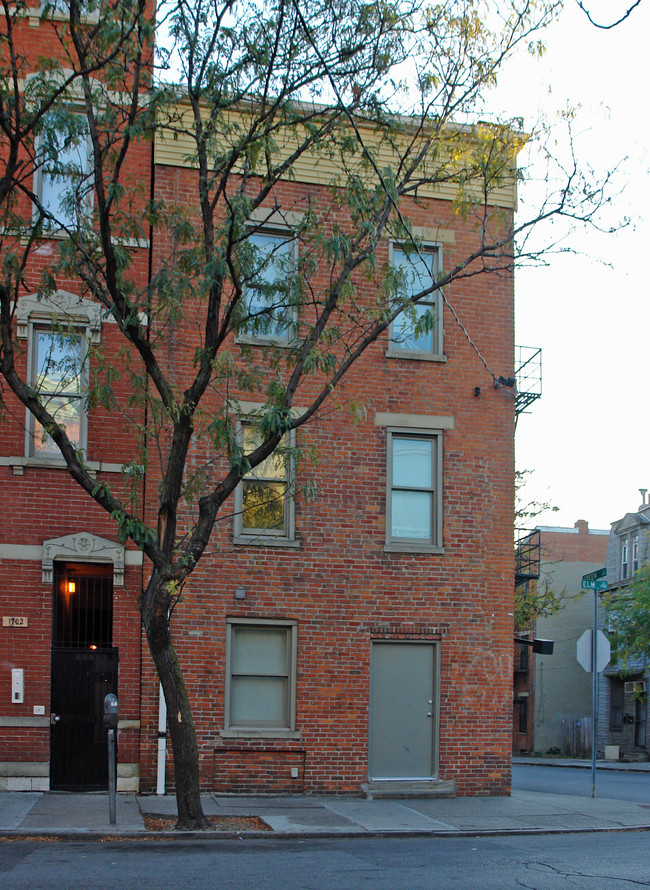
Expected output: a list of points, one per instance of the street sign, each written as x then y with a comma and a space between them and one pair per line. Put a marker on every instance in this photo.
597, 584
594, 576
584, 650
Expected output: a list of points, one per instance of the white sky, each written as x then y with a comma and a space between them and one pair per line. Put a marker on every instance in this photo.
587, 438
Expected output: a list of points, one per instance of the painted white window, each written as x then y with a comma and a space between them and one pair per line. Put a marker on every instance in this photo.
261, 675
269, 288
58, 361
414, 501
63, 184
264, 504
417, 330
625, 560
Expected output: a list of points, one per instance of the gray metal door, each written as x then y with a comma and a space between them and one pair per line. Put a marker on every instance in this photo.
403, 715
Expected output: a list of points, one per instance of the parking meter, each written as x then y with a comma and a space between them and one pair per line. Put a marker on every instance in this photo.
110, 711
110, 721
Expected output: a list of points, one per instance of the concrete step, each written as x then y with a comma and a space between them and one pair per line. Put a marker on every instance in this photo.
403, 789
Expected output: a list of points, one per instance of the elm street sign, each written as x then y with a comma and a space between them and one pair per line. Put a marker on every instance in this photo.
595, 580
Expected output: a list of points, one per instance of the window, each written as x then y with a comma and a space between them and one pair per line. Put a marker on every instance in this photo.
635, 554
62, 184
414, 503
523, 715
57, 373
261, 676
616, 704
625, 566
417, 331
268, 292
264, 506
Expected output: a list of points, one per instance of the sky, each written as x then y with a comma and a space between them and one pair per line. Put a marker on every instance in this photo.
586, 440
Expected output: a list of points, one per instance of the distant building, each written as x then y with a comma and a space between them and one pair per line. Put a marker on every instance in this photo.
552, 701
622, 695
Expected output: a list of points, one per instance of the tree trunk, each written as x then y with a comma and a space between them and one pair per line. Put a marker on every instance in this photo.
180, 722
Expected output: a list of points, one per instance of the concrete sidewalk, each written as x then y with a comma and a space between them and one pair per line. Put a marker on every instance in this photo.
69, 815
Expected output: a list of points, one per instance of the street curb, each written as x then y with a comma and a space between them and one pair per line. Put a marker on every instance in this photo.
174, 836
622, 768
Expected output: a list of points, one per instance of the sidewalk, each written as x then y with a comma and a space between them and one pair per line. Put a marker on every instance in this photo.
69, 815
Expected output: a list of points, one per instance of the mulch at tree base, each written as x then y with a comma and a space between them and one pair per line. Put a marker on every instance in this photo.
217, 823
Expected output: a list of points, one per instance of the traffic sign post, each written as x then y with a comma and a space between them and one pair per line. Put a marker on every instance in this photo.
593, 652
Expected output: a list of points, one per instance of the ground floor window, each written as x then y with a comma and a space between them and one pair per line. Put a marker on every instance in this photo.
260, 675
616, 704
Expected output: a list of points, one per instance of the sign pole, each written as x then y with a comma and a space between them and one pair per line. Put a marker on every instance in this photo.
594, 694
600, 654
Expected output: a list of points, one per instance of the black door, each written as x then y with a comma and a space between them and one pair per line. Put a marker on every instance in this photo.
78, 739
84, 671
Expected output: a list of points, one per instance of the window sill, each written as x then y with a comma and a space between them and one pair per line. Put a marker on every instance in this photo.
264, 341
410, 547
414, 355
265, 541
37, 14
294, 734
18, 465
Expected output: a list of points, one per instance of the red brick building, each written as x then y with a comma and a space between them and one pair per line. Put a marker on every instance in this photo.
359, 639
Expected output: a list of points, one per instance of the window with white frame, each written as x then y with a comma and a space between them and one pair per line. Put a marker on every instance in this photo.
59, 328
261, 675
269, 288
417, 331
58, 360
414, 490
625, 560
63, 184
264, 504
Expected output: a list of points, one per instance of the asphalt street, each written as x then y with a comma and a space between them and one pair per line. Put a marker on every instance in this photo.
613, 785
609, 861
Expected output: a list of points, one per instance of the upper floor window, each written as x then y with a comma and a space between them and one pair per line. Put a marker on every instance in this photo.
635, 554
417, 330
414, 498
63, 185
625, 560
269, 288
264, 506
57, 373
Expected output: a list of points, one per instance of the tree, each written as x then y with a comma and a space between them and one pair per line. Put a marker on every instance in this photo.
606, 27
388, 93
628, 618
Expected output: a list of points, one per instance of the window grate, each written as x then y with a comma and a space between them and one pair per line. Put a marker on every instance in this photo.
83, 606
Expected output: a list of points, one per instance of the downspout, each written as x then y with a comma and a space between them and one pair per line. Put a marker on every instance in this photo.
162, 704
162, 742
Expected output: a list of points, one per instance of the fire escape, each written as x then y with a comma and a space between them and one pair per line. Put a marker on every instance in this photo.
527, 555
528, 377
528, 374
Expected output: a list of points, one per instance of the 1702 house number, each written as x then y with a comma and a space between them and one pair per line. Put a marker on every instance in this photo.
14, 622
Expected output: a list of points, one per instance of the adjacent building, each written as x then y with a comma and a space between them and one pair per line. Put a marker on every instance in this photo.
553, 692
622, 693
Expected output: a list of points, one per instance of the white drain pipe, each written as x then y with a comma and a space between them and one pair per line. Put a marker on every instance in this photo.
162, 742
